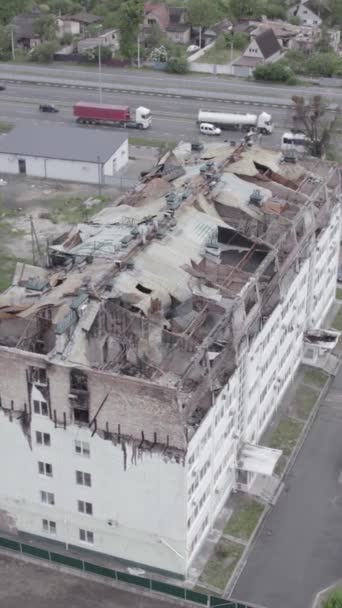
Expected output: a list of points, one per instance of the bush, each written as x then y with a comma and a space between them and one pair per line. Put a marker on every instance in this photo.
44, 52
177, 64
274, 72
334, 600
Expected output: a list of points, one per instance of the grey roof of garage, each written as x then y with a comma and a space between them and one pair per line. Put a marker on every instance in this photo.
86, 144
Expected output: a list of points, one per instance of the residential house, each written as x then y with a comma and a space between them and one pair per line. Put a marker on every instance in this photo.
66, 25
262, 48
179, 28
108, 38
85, 20
285, 33
24, 29
211, 34
310, 12
172, 20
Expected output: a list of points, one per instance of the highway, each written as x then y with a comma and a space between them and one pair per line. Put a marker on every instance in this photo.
173, 100
171, 119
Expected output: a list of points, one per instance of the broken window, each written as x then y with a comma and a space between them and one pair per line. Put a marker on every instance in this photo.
78, 380
38, 375
81, 415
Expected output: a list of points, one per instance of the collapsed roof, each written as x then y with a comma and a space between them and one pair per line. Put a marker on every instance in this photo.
167, 285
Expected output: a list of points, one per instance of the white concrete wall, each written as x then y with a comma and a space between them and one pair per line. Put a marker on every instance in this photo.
253, 50
138, 514
210, 68
117, 161
52, 168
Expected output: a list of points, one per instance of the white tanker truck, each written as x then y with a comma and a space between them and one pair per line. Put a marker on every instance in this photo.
244, 122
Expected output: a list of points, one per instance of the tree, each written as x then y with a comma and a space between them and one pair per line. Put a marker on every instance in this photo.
310, 119
10, 8
155, 37
5, 44
246, 8
131, 15
323, 64
203, 14
45, 27
44, 52
336, 12
334, 600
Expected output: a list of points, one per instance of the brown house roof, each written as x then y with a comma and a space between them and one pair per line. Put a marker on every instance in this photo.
159, 11
268, 43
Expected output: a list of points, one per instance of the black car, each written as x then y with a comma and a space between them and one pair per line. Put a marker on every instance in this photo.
2, 88
196, 146
48, 107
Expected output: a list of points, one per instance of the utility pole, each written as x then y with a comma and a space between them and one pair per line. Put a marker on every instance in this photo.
36, 251
138, 44
12, 42
99, 167
100, 75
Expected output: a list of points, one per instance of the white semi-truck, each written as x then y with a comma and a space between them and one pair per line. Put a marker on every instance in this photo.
244, 122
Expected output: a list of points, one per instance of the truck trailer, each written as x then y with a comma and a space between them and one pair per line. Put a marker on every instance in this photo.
244, 122
107, 114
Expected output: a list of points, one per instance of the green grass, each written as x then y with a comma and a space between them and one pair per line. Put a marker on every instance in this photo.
304, 401
339, 293
220, 56
220, 567
337, 322
315, 377
153, 143
71, 210
7, 266
285, 435
244, 520
5, 127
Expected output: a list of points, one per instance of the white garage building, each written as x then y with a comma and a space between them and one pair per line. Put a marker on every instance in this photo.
65, 153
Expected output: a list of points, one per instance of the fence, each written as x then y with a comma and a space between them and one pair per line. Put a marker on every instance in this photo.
202, 599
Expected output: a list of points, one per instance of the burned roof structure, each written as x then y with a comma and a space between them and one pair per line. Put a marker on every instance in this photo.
155, 298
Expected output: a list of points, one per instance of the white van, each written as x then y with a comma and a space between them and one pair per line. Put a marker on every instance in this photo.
294, 141
208, 129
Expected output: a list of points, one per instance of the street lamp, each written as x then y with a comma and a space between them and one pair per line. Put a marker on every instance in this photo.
100, 75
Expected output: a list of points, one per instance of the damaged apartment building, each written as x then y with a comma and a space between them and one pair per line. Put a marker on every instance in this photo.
142, 362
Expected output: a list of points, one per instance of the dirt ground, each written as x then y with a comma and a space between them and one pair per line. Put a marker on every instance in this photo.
51, 208
31, 585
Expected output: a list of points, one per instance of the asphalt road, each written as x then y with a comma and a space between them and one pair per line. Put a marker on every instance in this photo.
299, 551
171, 119
155, 81
29, 585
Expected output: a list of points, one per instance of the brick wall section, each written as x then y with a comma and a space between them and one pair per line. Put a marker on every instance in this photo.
138, 406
